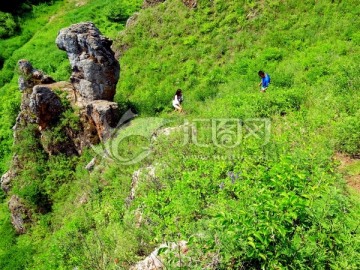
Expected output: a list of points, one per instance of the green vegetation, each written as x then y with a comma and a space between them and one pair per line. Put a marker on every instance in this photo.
275, 201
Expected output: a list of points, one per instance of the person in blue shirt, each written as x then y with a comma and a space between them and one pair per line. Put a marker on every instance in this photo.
265, 80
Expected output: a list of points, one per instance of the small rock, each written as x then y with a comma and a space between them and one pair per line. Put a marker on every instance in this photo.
6, 180
155, 261
90, 166
190, 3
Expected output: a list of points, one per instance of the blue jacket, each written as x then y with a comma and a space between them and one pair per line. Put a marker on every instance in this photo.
265, 81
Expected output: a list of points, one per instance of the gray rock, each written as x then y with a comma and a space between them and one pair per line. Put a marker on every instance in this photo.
20, 215
190, 3
6, 179
29, 76
95, 71
45, 105
90, 166
155, 261
143, 174
104, 115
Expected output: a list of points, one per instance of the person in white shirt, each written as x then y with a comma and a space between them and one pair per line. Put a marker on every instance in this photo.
178, 98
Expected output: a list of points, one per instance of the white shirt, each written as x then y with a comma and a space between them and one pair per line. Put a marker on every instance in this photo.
176, 101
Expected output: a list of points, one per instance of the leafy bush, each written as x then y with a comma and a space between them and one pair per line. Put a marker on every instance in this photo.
116, 13
347, 134
7, 25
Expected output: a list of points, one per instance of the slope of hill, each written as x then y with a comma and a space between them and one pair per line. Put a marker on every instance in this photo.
249, 180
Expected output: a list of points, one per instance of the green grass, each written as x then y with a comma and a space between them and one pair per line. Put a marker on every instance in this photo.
287, 207
354, 168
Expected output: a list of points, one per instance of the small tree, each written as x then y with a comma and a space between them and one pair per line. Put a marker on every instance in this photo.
7, 25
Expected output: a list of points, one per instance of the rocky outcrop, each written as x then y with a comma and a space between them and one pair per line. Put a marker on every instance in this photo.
190, 3
91, 90
103, 115
150, 3
30, 76
45, 105
6, 179
143, 174
87, 98
95, 71
20, 214
94, 77
157, 261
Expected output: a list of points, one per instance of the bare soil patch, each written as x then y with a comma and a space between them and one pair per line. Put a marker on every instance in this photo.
346, 163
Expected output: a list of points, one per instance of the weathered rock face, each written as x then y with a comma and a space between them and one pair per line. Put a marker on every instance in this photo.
95, 71
46, 106
141, 175
6, 179
190, 3
41, 105
30, 76
104, 115
90, 93
20, 215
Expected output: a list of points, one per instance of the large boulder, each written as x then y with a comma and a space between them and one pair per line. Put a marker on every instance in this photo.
95, 71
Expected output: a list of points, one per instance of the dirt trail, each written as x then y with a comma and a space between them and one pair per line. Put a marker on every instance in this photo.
352, 176
76, 3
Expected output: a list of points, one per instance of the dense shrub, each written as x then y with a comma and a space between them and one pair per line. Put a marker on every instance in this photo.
347, 134
7, 25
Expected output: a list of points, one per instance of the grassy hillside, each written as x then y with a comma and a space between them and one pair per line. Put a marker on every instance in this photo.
263, 194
